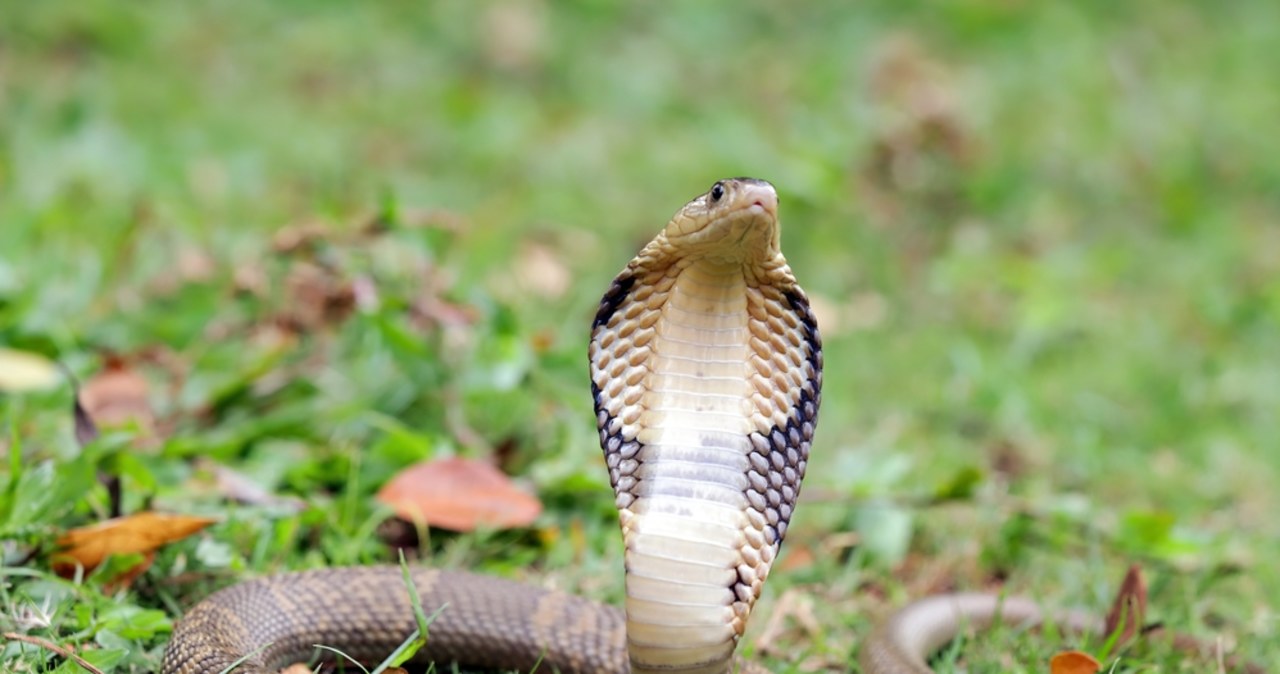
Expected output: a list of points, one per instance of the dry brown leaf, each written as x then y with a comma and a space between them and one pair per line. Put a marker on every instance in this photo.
514, 34
793, 607
540, 270
921, 147
126, 577
192, 265
798, 557
300, 237
917, 93
250, 278
828, 314
1073, 662
1129, 610
430, 311
240, 488
364, 291
460, 495
317, 296
138, 533
118, 396
196, 265
543, 341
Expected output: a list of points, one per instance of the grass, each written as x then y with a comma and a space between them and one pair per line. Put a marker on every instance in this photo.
1042, 238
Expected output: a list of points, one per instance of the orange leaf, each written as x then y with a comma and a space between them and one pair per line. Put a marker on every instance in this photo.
798, 557
138, 533
459, 494
1128, 611
126, 577
1073, 662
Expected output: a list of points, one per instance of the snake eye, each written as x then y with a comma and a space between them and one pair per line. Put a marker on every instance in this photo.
717, 191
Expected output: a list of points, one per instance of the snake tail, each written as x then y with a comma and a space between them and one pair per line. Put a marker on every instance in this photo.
903, 643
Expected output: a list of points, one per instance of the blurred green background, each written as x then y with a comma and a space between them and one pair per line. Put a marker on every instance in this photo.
335, 238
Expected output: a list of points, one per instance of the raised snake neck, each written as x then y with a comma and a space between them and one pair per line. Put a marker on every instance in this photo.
706, 371
706, 374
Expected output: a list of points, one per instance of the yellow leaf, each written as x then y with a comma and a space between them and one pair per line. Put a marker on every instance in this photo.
22, 371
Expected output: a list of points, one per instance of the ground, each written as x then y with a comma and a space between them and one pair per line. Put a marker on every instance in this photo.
331, 239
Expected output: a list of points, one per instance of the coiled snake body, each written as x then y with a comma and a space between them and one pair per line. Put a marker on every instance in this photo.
706, 373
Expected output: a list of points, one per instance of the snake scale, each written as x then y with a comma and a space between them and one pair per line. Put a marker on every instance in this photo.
706, 374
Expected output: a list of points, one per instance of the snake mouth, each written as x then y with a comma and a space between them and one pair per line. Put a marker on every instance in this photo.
760, 199
757, 220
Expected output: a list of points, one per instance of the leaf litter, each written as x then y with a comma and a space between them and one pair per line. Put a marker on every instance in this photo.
460, 495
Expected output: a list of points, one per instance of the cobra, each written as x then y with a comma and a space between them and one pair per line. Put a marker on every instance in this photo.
706, 374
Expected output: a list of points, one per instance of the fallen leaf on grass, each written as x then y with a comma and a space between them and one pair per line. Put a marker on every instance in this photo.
124, 578
241, 488
26, 371
430, 311
300, 237
1128, 611
797, 557
140, 533
1073, 662
793, 607
318, 296
460, 495
118, 396
192, 265
514, 35
540, 270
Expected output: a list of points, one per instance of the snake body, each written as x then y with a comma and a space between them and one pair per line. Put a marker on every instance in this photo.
365, 612
706, 375
706, 370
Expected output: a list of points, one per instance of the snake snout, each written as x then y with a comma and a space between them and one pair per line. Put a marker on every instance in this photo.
762, 199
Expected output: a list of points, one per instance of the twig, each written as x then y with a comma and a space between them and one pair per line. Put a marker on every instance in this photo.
49, 645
